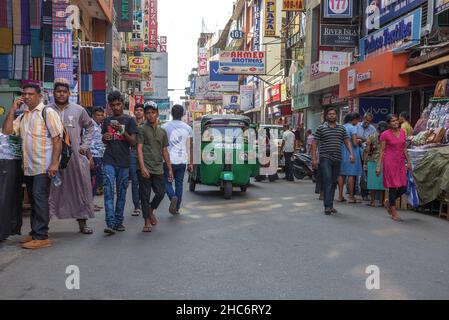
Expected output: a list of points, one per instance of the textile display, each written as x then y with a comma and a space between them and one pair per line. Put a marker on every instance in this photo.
47, 20
35, 14
6, 42
99, 98
62, 45
48, 48
98, 59
37, 69
87, 99
36, 43
86, 59
64, 69
21, 62
6, 14
86, 83
99, 81
59, 15
21, 21
49, 69
6, 66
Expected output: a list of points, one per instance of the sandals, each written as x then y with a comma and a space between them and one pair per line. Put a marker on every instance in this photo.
86, 230
147, 229
136, 213
153, 219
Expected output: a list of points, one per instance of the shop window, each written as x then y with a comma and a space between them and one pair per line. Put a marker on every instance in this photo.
443, 19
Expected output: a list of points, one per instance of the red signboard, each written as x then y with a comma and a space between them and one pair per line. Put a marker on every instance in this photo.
273, 94
152, 41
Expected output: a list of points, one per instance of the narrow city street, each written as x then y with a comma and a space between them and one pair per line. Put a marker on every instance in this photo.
273, 242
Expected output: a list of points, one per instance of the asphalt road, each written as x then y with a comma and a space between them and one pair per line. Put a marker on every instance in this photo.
273, 242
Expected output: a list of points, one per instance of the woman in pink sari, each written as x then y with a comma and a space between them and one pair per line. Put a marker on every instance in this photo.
393, 154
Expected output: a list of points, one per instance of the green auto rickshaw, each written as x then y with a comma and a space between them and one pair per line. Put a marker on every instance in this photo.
227, 161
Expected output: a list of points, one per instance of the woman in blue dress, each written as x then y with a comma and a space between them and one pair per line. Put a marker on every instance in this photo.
349, 169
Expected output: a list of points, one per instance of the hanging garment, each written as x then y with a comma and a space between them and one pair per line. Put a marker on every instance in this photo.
48, 48
86, 82
86, 60
49, 69
59, 15
11, 199
37, 69
62, 45
87, 99
99, 81
47, 20
35, 14
36, 43
4, 13
64, 69
21, 21
99, 99
6, 66
98, 59
6, 42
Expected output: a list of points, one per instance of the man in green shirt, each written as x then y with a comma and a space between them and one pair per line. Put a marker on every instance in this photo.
152, 143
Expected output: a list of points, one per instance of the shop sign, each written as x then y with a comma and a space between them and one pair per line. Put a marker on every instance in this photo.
339, 35
201, 87
139, 64
242, 62
441, 5
257, 25
153, 25
220, 82
236, 34
273, 94
352, 74
293, 5
202, 62
125, 13
270, 18
338, 9
364, 76
388, 10
332, 98
246, 97
315, 72
401, 34
231, 101
333, 61
147, 87
380, 108
131, 76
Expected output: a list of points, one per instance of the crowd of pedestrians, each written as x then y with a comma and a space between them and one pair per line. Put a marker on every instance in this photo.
70, 157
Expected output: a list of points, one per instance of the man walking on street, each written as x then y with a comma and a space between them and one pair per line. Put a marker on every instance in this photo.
152, 143
73, 198
119, 134
287, 149
41, 136
330, 136
180, 140
97, 152
140, 119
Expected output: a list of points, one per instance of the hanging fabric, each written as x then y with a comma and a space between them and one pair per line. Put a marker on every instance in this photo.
64, 69
35, 14
62, 45
21, 22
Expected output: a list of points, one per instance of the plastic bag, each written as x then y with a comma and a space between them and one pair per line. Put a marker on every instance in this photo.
412, 192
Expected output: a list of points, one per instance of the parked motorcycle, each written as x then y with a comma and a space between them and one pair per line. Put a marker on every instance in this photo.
302, 166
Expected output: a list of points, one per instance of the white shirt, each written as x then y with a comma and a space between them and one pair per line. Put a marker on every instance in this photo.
289, 138
178, 133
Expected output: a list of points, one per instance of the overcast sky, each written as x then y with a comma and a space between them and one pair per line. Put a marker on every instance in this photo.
180, 21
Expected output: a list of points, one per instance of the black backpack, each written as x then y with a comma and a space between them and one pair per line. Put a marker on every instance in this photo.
66, 152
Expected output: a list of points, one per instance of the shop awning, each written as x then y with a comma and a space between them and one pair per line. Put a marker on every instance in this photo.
252, 110
430, 64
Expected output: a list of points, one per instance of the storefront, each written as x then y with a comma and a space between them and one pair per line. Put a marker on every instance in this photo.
332, 99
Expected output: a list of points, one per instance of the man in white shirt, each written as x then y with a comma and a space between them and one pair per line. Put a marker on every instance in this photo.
287, 149
180, 139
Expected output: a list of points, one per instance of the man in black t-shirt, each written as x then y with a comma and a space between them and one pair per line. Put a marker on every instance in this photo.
119, 134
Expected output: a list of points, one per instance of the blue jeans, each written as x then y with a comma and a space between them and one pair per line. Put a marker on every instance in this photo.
330, 170
134, 178
118, 177
179, 171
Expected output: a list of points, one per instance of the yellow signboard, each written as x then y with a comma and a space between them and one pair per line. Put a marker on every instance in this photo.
139, 64
270, 18
293, 5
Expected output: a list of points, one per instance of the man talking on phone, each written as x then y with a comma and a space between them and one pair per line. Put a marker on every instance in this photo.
119, 134
41, 147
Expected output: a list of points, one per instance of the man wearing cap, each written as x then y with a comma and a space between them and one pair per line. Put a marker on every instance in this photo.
152, 150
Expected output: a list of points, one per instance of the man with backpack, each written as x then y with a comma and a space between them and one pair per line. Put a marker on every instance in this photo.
41, 136
73, 199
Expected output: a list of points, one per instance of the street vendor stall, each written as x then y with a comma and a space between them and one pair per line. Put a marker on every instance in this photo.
10, 186
429, 151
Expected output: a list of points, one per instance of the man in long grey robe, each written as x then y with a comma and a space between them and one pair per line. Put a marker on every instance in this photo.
73, 199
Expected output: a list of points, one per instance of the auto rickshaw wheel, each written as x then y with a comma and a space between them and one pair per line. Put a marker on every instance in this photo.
227, 189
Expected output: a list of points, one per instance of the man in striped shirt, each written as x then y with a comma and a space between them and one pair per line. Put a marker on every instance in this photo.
41, 145
330, 136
